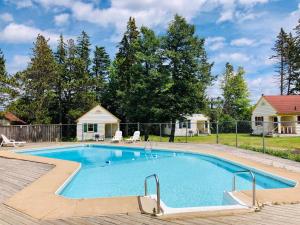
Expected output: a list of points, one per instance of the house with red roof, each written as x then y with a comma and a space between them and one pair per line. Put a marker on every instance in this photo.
277, 115
8, 118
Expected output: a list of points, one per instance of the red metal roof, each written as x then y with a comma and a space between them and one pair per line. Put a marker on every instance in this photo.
285, 104
13, 118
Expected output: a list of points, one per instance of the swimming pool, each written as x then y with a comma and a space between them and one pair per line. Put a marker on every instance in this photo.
186, 179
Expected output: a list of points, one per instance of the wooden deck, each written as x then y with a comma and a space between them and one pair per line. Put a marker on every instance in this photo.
16, 174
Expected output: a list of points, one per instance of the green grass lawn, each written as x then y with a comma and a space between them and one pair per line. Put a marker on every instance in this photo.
283, 147
277, 143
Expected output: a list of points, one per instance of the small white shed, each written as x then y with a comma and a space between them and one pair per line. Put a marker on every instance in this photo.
97, 122
195, 124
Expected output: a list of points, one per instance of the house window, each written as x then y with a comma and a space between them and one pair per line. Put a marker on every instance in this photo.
189, 124
90, 127
206, 124
180, 124
259, 120
298, 119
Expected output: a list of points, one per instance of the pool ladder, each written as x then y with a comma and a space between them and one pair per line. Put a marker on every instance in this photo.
253, 183
157, 210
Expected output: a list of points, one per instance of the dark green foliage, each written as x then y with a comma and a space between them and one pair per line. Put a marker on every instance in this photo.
100, 71
125, 69
235, 94
186, 62
7, 90
37, 84
151, 79
287, 55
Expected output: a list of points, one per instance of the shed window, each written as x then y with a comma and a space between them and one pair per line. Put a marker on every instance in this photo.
90, 127
259, 120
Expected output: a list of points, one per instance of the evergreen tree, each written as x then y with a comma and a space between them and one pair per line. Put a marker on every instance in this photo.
61, 58
38, 81
126, 67
185, 59
235, 94
281, 58
5, 88
83, 50
101, 63
291, 64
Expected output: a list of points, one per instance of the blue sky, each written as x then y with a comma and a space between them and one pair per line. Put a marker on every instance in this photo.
239, 31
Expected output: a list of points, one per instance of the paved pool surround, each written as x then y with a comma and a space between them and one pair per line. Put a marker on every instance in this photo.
40, 200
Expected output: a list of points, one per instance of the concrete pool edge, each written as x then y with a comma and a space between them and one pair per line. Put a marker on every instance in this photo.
40, 201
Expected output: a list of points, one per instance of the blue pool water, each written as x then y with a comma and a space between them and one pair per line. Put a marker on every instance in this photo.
186, 179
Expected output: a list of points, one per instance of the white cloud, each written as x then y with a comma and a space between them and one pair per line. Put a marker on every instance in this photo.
226, 16
242, 42
18, 63
152, 13
61, 19
6, 17
215, 43
235, 57
257, 86
19, 33
21, 3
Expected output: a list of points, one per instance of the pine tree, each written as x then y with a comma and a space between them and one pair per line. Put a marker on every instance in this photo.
3, 82
61, 57
83, 50
101, 63
38, 82
126, 67
185, 59
280, 57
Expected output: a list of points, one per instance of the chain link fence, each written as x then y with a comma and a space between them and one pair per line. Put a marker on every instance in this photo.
276, 138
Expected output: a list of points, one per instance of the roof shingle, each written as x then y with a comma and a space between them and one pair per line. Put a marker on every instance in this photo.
285, 104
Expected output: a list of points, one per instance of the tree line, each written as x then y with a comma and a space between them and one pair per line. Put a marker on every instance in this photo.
151, 79
287, 57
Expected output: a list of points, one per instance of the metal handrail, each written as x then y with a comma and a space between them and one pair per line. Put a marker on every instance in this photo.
253, 183
157, 190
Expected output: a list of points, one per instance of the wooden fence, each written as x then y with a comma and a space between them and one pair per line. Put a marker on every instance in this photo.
33, 133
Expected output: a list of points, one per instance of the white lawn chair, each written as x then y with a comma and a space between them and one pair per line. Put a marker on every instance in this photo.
118, 136
136, 137
7, 142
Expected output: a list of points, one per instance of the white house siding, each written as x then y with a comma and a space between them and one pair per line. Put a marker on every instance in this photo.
195, 120
99, 116
264, 109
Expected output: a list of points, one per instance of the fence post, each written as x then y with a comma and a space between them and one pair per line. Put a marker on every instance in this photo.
160, 132
60, 132
236, 133
263, 137
186, 128
217, 132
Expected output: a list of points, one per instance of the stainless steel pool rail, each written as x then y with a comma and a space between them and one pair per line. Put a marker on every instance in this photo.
157, 190
253, 183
